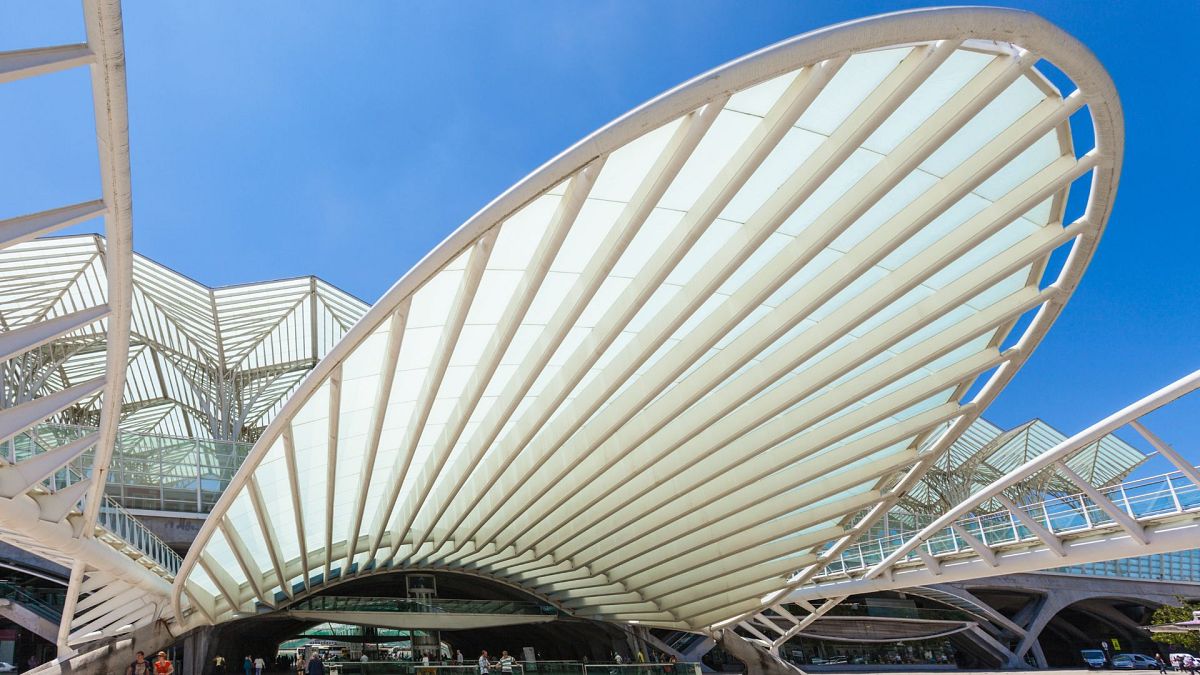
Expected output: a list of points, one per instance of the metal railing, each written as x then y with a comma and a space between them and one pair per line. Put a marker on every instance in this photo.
31, 602
150, 472
339, 603
883, 611
1063, 515
120, 523
350, 667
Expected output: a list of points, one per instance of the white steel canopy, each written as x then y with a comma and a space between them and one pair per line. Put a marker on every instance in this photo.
203, 362
650, 382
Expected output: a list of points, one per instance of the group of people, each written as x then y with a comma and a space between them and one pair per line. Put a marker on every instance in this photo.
140, 666
257, 665
1182, 662
504, 663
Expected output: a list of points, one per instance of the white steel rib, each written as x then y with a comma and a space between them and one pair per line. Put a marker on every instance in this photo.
654, 379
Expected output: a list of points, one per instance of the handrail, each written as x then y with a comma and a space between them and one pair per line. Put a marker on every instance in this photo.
116, 520
170, 473
31, 602
1152, 497
337, 603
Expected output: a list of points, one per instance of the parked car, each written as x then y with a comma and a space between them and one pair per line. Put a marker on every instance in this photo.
6, 667
1177, 659
1134, 662
1094, 658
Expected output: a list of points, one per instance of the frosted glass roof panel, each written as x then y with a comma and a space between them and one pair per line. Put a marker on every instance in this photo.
678, 357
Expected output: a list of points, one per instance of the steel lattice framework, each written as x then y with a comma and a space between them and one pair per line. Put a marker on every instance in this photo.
203, 362
650, 381
984, 453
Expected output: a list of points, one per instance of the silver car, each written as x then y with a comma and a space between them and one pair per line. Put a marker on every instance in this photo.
1134, 662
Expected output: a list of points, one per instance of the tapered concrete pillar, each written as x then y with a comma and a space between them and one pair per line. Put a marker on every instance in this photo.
757, 659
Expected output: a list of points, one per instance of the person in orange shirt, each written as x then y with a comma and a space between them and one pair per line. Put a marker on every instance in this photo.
163, 665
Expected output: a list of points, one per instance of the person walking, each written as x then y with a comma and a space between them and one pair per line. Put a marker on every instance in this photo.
163, 665
483, 663
506, 662
1162, 665
259, 665
140, 665
315, 666
458, 657
219, 665
248, 665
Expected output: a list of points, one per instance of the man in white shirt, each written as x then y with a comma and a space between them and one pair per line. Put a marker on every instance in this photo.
483, 663
506, 662
259, 665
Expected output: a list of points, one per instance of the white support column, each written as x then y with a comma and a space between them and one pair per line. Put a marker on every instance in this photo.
932, 563
981, 549
70, 602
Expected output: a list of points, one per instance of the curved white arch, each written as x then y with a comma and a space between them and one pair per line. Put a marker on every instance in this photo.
653, 378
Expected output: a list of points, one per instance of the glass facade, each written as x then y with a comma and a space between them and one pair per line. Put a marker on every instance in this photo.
1183, 566
148, 472
810, 651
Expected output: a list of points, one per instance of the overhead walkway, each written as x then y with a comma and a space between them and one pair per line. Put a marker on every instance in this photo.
990, 535
1160, 514
1121, 510
420, 613
148, 471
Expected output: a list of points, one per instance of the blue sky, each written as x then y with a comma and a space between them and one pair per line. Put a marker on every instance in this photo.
276, 139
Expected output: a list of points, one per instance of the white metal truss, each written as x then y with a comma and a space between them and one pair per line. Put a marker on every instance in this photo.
120, 579
651, 380
203, 362
1160, 514
985, 453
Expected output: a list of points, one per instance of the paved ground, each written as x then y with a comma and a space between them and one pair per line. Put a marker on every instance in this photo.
1057, 671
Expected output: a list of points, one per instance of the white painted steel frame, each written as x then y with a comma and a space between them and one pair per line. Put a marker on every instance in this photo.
203, 362
587, 528
110, 590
